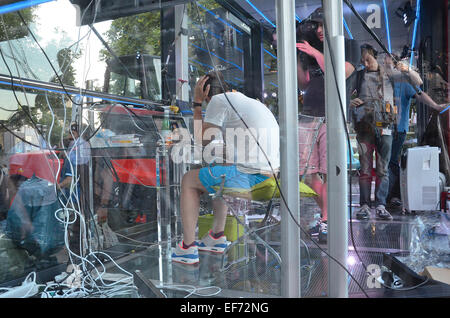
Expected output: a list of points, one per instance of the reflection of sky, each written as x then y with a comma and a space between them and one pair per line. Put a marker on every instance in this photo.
62, 15
55, 27
8, 101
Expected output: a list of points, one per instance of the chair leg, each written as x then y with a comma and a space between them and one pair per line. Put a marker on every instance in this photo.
247, 233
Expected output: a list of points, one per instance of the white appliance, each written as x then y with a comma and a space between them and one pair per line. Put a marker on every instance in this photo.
419, 179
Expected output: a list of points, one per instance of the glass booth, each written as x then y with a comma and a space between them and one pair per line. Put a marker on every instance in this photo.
104, 174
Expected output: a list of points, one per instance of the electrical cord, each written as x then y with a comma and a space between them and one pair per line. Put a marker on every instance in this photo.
17, 136
341, 106
348, 138
375, 37
65, 65
12, 82
14, 59
348, 142
427, 280
273, 171
192, 290
89, 285
27, 112
48, 59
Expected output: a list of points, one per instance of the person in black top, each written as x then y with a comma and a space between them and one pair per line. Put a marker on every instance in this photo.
312, 127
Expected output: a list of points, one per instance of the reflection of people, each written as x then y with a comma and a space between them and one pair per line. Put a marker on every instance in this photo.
78, 154
32, 233
103, 193
374, 115
403, 92
75, 170
313, 148
237, 171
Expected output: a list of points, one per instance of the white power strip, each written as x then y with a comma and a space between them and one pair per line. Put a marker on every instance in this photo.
27, 289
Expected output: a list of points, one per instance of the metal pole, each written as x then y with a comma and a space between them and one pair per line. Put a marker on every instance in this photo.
181, 51
288, 114
89, 100
71, 90
337, 149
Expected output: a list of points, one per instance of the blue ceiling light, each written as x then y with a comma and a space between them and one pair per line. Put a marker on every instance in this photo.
260, 13
443, 111
297, 18
219, 18
388, 31
270, 54
20, 5
413, 44
220, 58
348, 30
203, 64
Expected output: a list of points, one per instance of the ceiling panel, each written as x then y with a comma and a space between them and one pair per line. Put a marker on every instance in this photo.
373, 10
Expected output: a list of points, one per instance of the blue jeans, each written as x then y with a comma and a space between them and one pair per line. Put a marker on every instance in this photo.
394, 164
381, 145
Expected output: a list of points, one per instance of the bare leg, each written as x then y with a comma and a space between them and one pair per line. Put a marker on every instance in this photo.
220, 215
320, 187
191, 189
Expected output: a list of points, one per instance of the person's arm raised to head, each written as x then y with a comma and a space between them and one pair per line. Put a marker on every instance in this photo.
308, 49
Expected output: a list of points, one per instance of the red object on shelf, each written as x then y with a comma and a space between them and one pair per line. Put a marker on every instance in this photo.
42, 164
136, 171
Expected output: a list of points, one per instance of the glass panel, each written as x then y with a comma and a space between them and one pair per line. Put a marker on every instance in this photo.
104, 169
216, 41
47, 61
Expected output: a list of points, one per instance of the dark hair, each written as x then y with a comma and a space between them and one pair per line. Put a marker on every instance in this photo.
74, 127
369, 49
306, 31
216, 82
316, 15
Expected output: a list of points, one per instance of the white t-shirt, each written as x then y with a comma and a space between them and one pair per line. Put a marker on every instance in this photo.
242, 142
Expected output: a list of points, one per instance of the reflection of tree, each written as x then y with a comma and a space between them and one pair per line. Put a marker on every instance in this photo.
41, 112
14, 26
23, 53
133, 34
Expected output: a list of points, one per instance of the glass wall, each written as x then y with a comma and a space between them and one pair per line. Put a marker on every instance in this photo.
118, 168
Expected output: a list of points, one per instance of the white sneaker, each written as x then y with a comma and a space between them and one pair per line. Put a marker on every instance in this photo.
211, 244
185, 255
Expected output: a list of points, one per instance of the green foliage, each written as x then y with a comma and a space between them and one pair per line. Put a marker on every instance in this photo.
130, 35
14, 26
58, 102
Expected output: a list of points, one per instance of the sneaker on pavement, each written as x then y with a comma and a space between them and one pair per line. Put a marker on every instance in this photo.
314, 230
320, 231
396, 203
210, 244
185, 255
382, 213
363, 213
323, 232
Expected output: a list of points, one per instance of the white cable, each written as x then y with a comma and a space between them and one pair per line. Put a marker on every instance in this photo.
70, 213
192, 290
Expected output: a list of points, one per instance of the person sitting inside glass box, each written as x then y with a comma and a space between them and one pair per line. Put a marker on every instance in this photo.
240, 121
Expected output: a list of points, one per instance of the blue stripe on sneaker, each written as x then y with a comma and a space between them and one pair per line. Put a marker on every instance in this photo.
221, 245
191, 256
